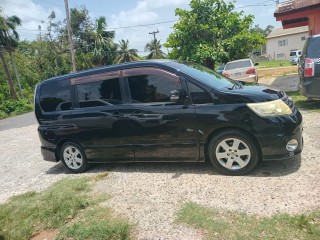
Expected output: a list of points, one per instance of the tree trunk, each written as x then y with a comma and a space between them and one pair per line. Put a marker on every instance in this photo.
9, 79
16, 73
209, 63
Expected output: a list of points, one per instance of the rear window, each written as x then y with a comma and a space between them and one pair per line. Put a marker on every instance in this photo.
238, 64
55, 96
314, 49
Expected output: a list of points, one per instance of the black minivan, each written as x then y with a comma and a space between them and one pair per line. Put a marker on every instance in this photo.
164, 110
309, 68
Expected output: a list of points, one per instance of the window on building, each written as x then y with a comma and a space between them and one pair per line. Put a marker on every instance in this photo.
303, 38
282, 43
280, 55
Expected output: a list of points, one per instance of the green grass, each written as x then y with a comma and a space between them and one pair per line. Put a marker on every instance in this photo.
274, 63
234, 225
303, 102
67, 206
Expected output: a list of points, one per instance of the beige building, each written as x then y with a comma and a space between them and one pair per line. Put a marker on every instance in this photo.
281, 41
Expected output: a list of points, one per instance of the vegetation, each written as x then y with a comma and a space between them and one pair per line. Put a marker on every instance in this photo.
154, 47
212, 31
233, 225
8, 42
67, 207
265, 32
304, 103
124, 54
274, 63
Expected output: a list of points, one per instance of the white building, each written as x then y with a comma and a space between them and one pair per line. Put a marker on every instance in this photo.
281, 41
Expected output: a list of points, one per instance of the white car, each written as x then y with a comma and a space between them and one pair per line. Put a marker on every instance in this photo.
294, 56
241, 70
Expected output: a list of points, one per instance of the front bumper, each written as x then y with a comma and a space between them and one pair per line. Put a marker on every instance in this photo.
273, 141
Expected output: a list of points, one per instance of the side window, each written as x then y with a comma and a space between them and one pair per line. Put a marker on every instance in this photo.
99, 93
151, 88
55, 96
198, 95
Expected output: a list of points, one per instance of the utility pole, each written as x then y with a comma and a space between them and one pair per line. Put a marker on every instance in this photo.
154, 34
73, 60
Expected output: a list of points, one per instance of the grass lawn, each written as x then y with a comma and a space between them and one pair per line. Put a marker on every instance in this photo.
274, 63
303, 102
67, 208
234, 225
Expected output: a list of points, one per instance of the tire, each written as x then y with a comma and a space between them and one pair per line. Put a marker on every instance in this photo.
73, 157
233, 152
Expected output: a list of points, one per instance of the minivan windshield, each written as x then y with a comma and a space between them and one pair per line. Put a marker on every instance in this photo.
205, 75
293, 54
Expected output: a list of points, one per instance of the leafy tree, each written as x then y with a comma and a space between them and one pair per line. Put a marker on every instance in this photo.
154, 47
125, 54
8, 41
265, 32
48, 55
212, 31
104, 47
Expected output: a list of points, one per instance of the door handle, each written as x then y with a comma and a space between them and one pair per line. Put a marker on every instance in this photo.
117, 114
137, 114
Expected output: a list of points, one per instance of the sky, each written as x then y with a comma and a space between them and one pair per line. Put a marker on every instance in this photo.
125, 17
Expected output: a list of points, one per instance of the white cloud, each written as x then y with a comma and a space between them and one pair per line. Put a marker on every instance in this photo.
145, 12
31, 15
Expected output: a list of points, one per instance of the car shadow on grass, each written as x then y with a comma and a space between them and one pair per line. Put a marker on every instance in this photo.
264, 169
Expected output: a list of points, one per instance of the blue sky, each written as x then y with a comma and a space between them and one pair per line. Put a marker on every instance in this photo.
124, 13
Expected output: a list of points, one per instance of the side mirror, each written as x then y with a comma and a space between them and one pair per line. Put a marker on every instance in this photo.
256, 64
178, 95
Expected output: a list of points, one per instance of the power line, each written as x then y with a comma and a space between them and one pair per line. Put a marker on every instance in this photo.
144, 25
264, 3
133, 26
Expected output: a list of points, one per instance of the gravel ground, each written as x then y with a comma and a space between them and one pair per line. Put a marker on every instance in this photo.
149, 194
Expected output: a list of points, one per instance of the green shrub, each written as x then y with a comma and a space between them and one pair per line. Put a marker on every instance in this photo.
3, 114
9, 107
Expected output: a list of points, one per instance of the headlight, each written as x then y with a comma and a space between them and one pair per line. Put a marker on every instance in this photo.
269, 109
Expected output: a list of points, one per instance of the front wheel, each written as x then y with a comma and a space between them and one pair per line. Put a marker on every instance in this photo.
233, 153
73, 157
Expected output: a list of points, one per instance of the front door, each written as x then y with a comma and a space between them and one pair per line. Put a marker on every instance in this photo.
161, 130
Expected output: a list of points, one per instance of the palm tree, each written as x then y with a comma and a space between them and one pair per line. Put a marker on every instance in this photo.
8, 42
154, 47
104, 47
124, 54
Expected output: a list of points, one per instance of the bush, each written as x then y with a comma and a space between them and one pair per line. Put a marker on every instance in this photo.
3, 114
9, 107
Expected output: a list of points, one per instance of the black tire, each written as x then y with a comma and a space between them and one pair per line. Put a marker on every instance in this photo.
73, 157
230, 149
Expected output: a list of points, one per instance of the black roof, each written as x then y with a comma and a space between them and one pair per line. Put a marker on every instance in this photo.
154, 63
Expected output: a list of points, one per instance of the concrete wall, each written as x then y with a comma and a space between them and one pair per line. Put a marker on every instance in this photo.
276, 52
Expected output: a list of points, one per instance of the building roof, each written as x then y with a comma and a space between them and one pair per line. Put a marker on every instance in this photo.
277, 32
293, 6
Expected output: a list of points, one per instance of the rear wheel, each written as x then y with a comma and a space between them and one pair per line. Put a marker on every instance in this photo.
73, 157
232, 152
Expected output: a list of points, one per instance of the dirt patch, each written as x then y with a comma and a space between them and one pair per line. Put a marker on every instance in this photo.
46, 235
276, 72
